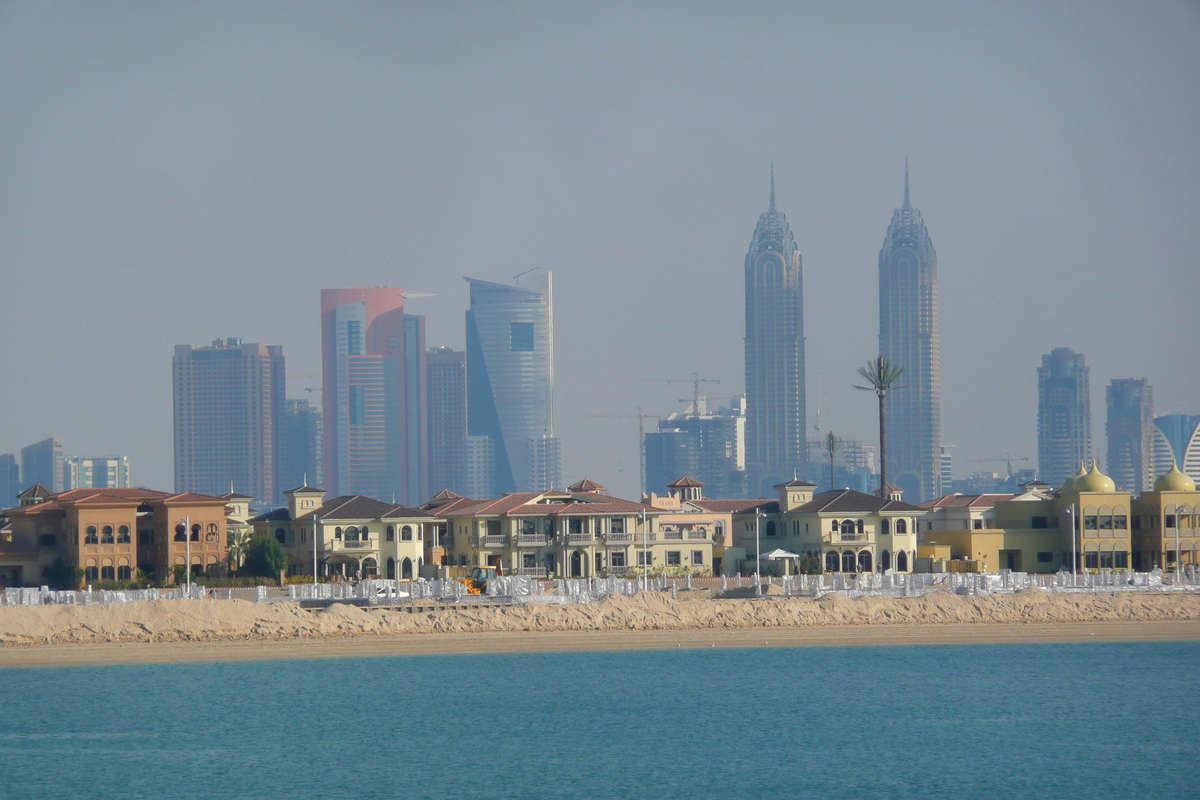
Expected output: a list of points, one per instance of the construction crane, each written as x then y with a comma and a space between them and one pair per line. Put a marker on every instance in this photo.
695, 380
309, 389
641, 418
522, 274
1007, 458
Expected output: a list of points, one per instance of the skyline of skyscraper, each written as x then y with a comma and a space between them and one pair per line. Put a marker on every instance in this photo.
301, 443
510, 383
228, 405
707, 446
373, 399
909, 339
1177, 441
43, 462
1064, 420
96, 472
10, 480
774, 352
1129, 425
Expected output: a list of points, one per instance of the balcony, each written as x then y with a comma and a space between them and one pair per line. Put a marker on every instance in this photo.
673, 536
493, 540
702, 535
835, 538
532, 540
359, 544
580, 538
619, 538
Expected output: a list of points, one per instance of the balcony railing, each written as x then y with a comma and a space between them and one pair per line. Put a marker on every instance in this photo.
533, 572
493, 540
532, 540
619, 538
580, 538
354, 544
831, 538
697, 534
672, 536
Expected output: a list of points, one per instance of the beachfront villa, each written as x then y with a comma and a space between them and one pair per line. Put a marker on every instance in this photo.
1166, 523
580, 533
112, 533
849, 531
350, 537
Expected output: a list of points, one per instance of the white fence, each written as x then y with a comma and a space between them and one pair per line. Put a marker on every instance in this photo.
45, 596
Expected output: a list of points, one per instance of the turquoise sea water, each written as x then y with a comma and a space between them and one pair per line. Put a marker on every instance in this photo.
983, 721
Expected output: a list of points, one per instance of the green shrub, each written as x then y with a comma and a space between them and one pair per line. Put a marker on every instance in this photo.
59, 575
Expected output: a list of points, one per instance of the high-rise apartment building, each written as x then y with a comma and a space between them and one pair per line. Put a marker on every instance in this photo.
908, 338
1130, 428
229, 403
1177, 441
775, 399
10, 480
96, 472
510, 383
446, 379
373, 378
43, 462
300, 462
710, 447
1064, 415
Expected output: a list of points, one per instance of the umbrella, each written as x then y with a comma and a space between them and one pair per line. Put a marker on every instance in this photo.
780, 555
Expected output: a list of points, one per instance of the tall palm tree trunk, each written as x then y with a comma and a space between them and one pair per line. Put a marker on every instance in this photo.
883, 483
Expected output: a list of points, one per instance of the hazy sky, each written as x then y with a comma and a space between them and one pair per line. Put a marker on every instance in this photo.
172, 173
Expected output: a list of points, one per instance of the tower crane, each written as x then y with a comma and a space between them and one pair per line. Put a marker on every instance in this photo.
695, 380
641, 418
1007, 458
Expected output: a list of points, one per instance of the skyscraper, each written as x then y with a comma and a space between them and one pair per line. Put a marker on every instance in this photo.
1064, 415
775, 401
229, 402
908, 337
96, 472
300, 461
446, 378
709, 447
43, 462
10, 480
373, 374
1177, 441
510, 383
1130, 428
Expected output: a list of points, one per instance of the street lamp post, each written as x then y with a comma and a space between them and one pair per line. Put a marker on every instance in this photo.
1074, 560
316, 527
187, 549
757, 552
645, 565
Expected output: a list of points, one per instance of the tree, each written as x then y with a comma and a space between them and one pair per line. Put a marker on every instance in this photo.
62, 576
239, 543
882, 375
831, 446
265, 557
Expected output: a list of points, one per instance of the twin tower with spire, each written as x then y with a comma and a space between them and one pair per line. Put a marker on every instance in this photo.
776, 409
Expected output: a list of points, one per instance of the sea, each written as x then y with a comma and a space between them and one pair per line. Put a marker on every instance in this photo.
952, 721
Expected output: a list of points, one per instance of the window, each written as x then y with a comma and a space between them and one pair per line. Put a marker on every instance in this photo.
337, 533
858, 526
1091, 560
847, 527
645, 558
281, 535
391, 533
599, 561
90, 536
697, 556
901, 526
357, 405
616, 559
1045, 558
180, 533
771, 528
406, 533
1120, 522
1106, 522
303, 535
834, 525
1089, 523
886, 527
977, 524
529, 560
1106, 559
91, 574
106, 535
521, 336
1039, 523
46, 540
212, 535
108, 574
146, 537
124, 573
616, 525
195, 533
574, 525
123, 534
1120, 559
673, 558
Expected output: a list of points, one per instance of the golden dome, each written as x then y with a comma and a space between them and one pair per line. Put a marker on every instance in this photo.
1094, 481
1174, 481
1069, 483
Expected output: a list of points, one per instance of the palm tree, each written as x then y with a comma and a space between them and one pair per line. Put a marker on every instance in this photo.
831, 446
239, 543
882, 375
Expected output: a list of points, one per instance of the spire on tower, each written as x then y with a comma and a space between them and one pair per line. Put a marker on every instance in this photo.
772, 206
906, 203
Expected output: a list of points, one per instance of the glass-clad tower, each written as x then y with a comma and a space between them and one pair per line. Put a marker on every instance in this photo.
775, 408
908, 337
510, 385
1064, 415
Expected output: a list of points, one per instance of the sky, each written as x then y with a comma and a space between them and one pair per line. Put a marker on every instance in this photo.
177, 172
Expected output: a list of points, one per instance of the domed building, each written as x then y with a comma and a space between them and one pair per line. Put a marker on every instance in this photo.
1166, 528
1101, 514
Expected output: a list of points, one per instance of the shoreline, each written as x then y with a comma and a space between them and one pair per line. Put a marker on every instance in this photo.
478, 643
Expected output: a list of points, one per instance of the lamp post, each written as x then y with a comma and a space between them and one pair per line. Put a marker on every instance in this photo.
757, 552
187, 549
1074, 560
645, 565
316, 528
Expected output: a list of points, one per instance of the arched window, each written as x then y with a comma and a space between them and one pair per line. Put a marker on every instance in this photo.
91, 574
885, 559
864, 561
180, 533
831, 561
901, 526
462, 560
108, 574
391, 537
211, 534
337, 533
123, 534
901, 561
370, 569
124, 573
833, 525
771, 528
90, 536
406, 569
281, 535
195, 533
391, 562
847, 527
858, 526
849, 561
406, 533
106, 535
885, 526
352, 534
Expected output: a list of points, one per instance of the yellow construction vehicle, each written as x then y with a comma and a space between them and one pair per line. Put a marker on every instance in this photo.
477, 582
